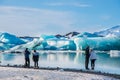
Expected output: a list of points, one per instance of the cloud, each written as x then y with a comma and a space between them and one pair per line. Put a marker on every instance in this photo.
75, 4
34, 21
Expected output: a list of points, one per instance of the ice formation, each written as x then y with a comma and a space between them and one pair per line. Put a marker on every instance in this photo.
8, 41
11, 39
108, 41
98, 43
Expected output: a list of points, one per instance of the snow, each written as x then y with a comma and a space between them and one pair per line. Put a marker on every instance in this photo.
114, 31
9, 73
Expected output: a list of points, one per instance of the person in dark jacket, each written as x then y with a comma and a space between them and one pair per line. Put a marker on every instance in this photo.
87, 55
27, 59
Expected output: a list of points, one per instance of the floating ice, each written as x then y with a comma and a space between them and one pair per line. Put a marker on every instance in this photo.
62, 44
98, 43
114, 53
51, 42
11, 39
8, 41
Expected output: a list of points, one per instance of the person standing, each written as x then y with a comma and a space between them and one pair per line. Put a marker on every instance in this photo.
27, 59
35, 58
87, 55
93, 58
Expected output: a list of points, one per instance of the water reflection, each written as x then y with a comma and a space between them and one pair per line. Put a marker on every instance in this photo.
67, 60
8, 57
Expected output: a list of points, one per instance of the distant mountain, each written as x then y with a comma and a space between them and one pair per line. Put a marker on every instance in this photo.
114, 31
71, 34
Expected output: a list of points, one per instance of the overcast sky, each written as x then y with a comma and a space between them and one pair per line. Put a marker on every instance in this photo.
36, 17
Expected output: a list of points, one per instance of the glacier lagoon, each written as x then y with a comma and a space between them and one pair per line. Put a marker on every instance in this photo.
107, 61
108, 55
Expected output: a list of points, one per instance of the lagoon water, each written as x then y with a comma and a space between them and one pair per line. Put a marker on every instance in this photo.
106, 61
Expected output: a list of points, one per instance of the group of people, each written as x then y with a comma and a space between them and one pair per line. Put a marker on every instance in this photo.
35, 58
90, 55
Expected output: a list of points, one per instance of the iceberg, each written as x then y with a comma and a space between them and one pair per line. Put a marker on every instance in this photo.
46, 37
27, 38
114, 53
62, 44
54, 44
30, 45
51, 42
4, 46
8, 41
98, 43
11, 39
48, 43
86, 34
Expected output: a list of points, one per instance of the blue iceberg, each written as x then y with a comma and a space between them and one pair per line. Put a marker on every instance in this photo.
8, 41
11, 39
51, 42
98, 43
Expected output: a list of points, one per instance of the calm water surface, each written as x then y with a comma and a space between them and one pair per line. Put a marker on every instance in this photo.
105, 60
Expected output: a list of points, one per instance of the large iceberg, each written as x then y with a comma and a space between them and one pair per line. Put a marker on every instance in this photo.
62, 44
98, 43
48, 42
11, 39
114, 31
8, 41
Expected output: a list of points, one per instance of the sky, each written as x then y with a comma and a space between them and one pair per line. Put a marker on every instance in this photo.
37, 17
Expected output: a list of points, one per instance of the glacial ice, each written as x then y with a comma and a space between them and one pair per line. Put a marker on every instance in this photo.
8, 41
62, 44
11, 39
98, 43
50, 42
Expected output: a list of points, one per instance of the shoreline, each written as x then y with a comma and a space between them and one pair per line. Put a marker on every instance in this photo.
60, 51
99, 73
